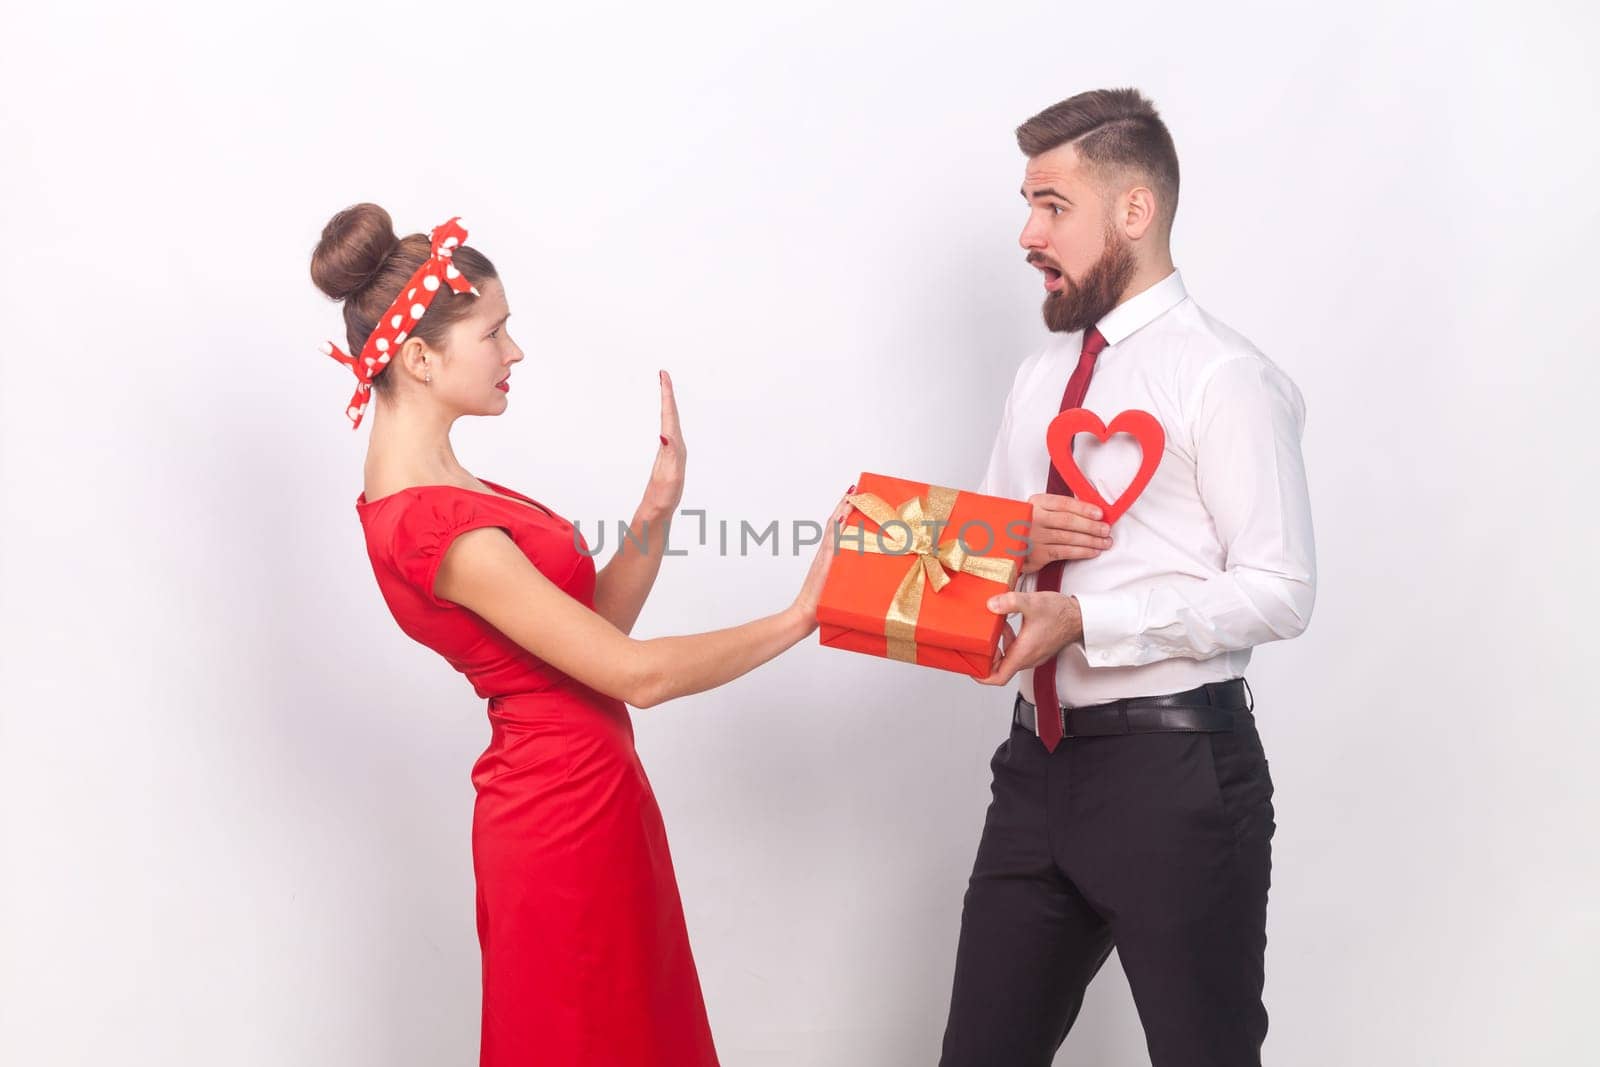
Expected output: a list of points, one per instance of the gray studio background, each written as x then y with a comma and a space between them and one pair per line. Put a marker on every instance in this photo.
234, 802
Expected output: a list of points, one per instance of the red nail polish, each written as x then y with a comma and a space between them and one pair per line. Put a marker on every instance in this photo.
851, 489
663, 440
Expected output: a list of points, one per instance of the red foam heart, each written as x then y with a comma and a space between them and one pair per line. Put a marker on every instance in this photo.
1140, 424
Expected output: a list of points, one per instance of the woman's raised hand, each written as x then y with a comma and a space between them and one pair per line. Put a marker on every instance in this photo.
665, 491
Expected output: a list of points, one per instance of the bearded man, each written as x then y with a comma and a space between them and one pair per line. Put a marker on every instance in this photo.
1132, 808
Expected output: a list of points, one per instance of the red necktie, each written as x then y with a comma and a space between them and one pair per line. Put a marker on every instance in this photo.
1047, 707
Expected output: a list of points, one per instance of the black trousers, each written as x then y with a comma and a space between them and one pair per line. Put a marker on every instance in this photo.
1156, 844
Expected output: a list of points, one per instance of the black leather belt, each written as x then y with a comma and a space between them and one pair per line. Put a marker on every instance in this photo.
1206, 709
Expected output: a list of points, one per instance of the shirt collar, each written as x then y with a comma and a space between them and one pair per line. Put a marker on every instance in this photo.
1137, 312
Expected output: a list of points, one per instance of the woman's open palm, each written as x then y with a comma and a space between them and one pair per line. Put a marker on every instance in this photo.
665, 490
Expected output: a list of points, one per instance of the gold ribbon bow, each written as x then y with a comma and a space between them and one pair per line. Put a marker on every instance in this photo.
909, 530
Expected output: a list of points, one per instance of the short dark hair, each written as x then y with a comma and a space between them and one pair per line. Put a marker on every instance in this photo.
1110, 128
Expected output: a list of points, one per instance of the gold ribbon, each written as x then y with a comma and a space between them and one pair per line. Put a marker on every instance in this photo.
929, 561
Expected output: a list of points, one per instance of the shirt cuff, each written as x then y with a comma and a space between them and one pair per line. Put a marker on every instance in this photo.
1110, 628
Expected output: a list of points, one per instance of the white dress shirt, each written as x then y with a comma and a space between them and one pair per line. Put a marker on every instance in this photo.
1216, 556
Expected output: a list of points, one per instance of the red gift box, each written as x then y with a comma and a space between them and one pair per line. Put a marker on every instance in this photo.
914, 570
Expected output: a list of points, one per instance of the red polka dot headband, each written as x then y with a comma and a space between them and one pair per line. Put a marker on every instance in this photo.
401, 318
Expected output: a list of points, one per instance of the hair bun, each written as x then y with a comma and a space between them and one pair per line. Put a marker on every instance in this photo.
354, 245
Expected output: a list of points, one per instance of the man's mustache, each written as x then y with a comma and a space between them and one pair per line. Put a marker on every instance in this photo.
1036, 260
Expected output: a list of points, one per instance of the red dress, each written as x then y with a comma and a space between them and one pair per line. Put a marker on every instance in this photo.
586, 959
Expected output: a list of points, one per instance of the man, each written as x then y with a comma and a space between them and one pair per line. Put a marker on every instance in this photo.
1131, 803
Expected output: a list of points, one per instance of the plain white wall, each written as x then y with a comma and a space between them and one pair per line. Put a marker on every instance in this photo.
234, 802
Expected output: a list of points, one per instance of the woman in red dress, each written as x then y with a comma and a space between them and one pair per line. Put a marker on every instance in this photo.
586, 960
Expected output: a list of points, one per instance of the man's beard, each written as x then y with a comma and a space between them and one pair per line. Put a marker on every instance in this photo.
1077, 307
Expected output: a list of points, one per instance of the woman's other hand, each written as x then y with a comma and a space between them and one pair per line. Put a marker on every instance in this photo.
811, 589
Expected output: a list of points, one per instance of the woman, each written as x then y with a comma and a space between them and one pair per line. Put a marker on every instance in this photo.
585, 956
